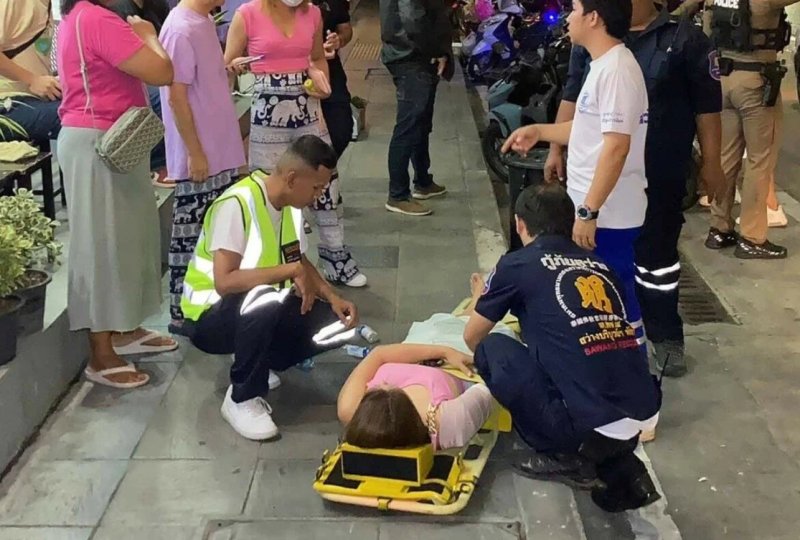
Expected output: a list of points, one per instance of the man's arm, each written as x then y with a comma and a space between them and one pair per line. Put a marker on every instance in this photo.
609, 166
184, 120
525, 138
323, 288
578, 66
42, 86
229, 279
478, 327
709, 135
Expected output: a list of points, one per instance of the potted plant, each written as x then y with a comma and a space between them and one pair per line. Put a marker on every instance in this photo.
7, 125
22, 213
359, 107
12, 267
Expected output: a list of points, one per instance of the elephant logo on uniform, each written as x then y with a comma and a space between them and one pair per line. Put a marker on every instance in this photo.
593, 293
288, 111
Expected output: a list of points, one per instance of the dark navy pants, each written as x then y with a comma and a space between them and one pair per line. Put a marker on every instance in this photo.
658, 267
263, 331
38, 117
415, 81
519, 382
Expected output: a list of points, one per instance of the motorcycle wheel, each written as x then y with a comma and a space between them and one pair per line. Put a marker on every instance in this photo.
491, 142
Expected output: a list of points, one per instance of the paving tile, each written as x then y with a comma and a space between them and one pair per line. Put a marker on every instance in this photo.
282, 488
180, 492
448, 531
45, 533
301, 389
188, 424
139, 532
107, 423
548, 509
61, 493
376, 256
306, 432
294, 530
378, 298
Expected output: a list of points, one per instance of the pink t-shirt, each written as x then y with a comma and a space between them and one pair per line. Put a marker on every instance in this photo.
439, 384
107, 42
281, 54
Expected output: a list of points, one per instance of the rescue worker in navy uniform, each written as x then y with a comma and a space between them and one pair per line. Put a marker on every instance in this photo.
336, 109
679, 65
580, 392
749, 34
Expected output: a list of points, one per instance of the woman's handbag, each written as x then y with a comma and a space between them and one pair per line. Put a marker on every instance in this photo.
129, 141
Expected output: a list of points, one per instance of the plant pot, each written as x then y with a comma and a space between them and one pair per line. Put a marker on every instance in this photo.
9, 314
31, 316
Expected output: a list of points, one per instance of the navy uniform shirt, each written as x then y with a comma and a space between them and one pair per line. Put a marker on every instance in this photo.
334, 13
570, 308
680, 68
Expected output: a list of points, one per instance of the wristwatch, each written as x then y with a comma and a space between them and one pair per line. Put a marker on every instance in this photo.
584, 213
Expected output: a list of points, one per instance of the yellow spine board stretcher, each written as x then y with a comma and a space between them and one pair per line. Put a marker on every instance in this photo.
416, 480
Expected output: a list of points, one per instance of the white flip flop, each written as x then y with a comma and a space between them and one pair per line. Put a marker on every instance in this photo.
101, 377
138, 346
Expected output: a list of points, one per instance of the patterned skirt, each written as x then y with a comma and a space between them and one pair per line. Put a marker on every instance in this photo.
282, 112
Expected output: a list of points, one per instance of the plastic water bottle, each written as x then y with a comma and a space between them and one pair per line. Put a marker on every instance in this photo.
368, 333
306, 365
355, 350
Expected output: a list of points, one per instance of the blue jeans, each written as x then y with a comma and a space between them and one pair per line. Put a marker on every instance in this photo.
616, 248
158, 156
39, 118
415, 81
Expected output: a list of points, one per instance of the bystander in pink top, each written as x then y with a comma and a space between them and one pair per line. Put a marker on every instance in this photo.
107, 42
282, 54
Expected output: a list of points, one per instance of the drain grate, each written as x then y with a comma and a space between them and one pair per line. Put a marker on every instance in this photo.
365, 51
698, 304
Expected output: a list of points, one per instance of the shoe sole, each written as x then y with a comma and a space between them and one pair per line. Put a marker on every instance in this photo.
587, 485
717, 247
247, 435
396, 210
426, 196
749, 257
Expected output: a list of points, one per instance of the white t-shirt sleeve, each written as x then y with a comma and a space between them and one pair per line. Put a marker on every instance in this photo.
227, 228
619, 100
300, 230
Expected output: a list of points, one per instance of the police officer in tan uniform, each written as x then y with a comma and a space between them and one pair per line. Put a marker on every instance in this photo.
749, 34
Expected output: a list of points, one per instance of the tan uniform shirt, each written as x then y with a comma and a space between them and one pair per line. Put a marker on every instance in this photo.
764, 15
20, 20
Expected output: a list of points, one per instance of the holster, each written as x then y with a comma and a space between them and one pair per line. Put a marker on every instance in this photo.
772, 73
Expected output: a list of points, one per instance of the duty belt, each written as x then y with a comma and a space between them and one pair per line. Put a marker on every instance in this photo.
728, 66
772, 72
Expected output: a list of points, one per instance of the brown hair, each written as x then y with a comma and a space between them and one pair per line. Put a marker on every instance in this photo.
386, 418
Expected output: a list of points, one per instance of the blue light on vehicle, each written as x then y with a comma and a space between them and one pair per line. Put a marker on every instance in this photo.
551, 17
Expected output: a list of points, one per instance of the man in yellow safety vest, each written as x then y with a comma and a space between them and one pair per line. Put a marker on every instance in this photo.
250, 291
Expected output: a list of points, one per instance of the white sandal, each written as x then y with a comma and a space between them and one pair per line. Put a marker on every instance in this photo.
139, 346
101, 377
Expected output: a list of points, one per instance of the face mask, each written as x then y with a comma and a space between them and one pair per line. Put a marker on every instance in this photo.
292, 3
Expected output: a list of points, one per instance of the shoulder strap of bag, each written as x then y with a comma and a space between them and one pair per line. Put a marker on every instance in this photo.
11, 53
85, 73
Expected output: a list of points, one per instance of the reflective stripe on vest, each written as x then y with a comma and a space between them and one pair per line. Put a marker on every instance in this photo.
262, 248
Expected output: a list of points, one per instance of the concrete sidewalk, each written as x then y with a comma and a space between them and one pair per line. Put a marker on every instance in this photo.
161, 463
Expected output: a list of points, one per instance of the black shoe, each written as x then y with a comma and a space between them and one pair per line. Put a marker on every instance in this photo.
717, 239
670, 358
629, 495
572, 471
750, 250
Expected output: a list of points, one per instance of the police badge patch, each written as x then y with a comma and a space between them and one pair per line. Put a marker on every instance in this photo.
713, 65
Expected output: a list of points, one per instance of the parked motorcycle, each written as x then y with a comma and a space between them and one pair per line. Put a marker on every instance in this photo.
528, 93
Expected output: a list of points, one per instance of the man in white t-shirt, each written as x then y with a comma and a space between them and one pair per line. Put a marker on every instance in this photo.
250, 291
605, 164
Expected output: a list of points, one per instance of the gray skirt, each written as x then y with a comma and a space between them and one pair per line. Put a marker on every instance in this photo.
114, 247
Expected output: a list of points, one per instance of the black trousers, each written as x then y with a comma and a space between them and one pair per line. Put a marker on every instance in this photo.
519, 382
658, 268
264, 330
339, 119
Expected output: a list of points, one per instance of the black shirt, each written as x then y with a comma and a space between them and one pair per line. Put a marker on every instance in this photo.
334, 13
570, 307
154, 11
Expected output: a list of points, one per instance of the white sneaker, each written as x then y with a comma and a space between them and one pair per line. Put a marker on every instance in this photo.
704, 201
776, 218
251, 419
274, 380
358, 280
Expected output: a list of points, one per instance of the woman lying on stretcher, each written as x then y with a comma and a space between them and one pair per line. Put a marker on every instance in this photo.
390, 400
